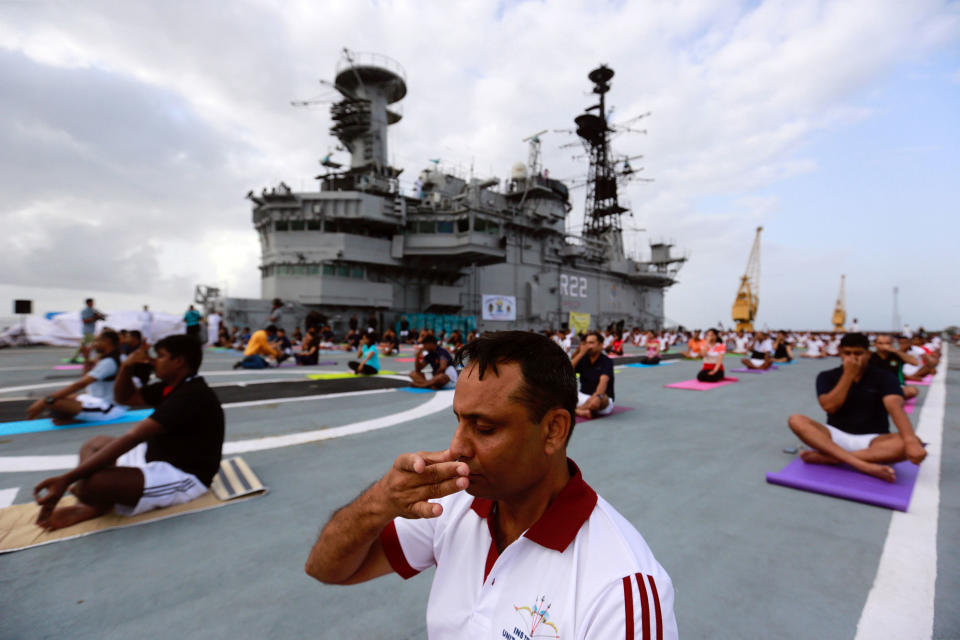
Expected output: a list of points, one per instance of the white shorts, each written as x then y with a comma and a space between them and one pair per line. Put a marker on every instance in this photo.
164, 485
96, 409
850, 441
757, 362
451, 372
583, 397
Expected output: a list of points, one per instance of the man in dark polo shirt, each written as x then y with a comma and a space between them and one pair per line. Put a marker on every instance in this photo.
440, 361
168, 458
890, 359
858, 399
596, 377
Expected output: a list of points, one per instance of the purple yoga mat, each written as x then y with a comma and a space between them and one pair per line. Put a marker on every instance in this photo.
68, 367
696, 385
616, 409
747, 370
840, 481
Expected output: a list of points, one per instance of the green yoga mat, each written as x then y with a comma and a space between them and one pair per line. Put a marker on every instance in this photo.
338, 376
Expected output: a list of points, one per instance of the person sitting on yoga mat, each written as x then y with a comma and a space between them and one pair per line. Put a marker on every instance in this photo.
694, 346
653, 349
504, 515
596, 377
858, 399
892, 360
369, 363
95, 403
782, 349
815, 347
713, 352
309, 348
390, 343
444, 374
761, 352
168, 458
926, 360
260, 347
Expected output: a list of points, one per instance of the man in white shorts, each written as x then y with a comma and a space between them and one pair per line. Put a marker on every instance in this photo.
441, 362
761, 352
89, 399
595, 369
168, 458
858, 399
523, 546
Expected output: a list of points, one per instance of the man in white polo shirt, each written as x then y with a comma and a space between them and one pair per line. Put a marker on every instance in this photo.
523, 546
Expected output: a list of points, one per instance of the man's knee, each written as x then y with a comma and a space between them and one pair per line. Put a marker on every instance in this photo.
94, 444
797, 422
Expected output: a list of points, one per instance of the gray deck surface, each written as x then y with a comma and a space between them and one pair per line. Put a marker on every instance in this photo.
748, 559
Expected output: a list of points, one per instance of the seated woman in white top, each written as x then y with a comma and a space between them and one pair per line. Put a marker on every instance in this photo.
713, 352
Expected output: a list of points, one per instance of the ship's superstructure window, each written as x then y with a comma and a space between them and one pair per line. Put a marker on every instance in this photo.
313, 225
445, 226
463, 224
297, 225
281, 225
426, 226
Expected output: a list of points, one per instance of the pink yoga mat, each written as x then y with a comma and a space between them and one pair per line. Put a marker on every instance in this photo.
616, 409
696, 385
68, 367
747, 370
406, 359
910, 405
921, 383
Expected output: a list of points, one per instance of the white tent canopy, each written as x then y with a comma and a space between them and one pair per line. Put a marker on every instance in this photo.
64, 329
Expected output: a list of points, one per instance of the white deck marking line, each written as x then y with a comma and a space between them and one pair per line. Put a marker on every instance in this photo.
7, 496
440, 401
254, 403
907, 575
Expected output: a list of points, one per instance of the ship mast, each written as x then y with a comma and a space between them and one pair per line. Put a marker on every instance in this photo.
603, 210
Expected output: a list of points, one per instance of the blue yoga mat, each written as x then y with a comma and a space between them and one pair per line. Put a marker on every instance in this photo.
416, 390
663, 363
46, 424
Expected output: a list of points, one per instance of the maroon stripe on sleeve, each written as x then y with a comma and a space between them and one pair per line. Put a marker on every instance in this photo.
644, 607
394, 552
628, 605
656, 607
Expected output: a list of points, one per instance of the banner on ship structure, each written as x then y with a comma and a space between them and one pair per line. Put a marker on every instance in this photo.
579, 322
499, 307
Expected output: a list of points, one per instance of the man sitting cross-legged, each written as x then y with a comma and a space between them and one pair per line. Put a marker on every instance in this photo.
893, 361
444, 373
168, 458
858, 399
761, 352
596, 377
260, 347
96, 402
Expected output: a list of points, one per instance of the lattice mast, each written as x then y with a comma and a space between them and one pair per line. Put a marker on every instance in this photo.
748, 295
602, 211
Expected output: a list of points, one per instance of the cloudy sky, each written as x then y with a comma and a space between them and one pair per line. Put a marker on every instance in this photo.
130, 132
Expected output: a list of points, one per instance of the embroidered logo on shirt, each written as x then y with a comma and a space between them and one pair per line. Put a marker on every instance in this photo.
534, 622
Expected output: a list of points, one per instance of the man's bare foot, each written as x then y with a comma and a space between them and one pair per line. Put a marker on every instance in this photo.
882, 471
59, 422
583, 413
816, 457
71, 515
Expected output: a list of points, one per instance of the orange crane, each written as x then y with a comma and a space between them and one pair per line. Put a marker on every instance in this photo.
840, 309
748, 295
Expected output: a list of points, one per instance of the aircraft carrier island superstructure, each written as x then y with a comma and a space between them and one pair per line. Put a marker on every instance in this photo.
497, 251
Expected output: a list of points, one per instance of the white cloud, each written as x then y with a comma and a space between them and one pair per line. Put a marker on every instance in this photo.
736, 91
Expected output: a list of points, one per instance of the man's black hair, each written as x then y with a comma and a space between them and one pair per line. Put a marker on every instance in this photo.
855, 340
88, 301
271, 328
135, 333
429, 339
548, 378
112, 336
183, 346
600, 336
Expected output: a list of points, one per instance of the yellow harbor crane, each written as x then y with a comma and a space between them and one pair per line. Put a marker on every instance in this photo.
748, 295
840, 309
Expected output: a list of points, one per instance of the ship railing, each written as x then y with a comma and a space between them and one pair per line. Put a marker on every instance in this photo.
367, 58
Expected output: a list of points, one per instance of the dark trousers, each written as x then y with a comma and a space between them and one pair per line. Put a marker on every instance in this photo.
367, 370
194, 331
706, 376
647, 360
254, 362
